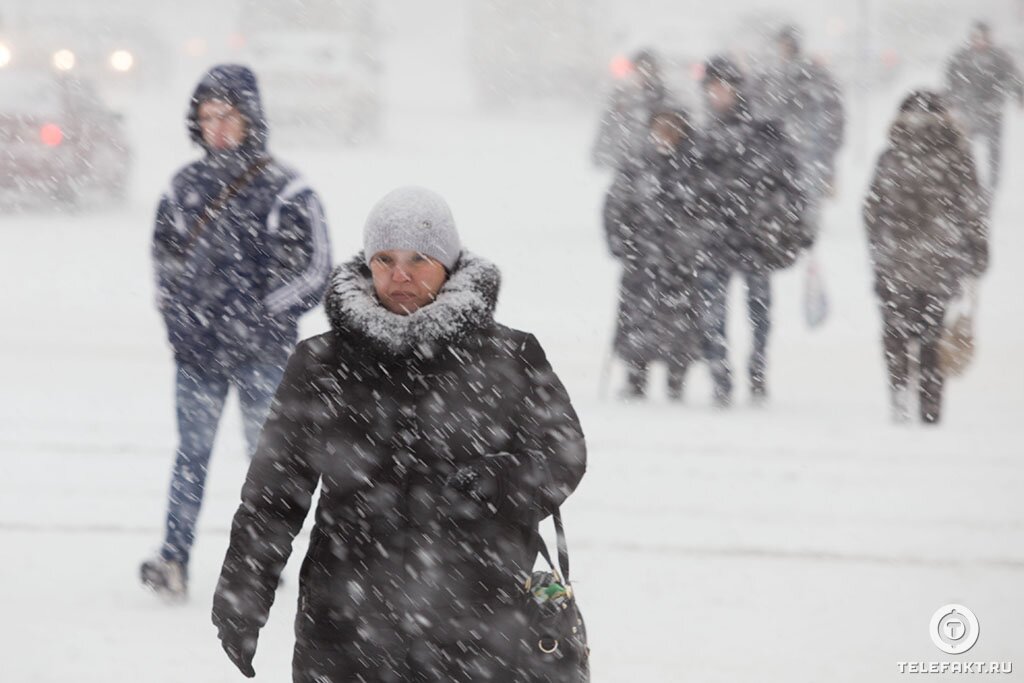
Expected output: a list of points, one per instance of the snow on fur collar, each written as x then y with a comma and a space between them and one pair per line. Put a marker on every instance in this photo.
465, 303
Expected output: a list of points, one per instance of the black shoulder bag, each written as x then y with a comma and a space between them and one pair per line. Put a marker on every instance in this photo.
554, 646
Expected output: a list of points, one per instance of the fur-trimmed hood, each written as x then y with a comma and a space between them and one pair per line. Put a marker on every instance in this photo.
465, 304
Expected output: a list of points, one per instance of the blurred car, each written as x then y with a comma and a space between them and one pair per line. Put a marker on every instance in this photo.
114, 52
523, 50
318, 67
58, 142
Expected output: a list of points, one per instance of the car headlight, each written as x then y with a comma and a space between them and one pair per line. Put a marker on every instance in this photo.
64, 60
121, 60
5, 55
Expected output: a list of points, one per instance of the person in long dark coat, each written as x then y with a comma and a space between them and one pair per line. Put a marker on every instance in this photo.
927, 235
652, 230
439, 438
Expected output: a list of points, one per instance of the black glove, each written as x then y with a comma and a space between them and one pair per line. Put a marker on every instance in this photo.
485, 481
240, 645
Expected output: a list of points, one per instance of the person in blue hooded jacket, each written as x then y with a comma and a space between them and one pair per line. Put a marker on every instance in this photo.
240, 251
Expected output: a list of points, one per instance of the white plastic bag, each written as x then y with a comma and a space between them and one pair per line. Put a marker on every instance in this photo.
815, 295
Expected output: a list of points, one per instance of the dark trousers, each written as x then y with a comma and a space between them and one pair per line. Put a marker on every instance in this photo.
714, 312
200, 393
637, 376
908, 317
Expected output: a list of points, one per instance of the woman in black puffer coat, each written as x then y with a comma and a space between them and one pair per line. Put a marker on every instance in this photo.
440, 440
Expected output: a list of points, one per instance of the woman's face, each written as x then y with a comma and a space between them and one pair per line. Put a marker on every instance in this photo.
405, 280
720, 96
665, 135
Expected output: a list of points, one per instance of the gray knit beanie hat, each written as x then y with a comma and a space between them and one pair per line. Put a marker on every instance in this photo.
416, 219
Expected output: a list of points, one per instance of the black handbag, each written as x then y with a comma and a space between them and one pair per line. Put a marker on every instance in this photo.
553, 647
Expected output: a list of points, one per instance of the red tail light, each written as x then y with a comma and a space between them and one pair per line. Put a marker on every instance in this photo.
621, 67
51, 135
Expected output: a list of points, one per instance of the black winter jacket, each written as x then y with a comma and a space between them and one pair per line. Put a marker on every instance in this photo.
752, 200
405, 577
924, 210
233, 292
651, 225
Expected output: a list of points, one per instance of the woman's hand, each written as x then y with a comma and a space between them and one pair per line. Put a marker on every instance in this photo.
240, 646
485, 481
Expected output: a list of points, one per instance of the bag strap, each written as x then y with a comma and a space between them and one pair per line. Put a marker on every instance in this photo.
214, 209
563, 546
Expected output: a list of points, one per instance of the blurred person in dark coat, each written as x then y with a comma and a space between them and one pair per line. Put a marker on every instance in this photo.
803, 96
980, 77
652, 230
927, 238
752, 206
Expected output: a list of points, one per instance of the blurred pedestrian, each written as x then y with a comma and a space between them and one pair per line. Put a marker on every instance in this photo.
652, 230
439, 438
623, 129
927, 237
240, 250
979, 78
803, 96
752, 206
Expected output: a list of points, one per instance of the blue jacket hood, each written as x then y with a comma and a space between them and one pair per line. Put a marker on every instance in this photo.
235, 84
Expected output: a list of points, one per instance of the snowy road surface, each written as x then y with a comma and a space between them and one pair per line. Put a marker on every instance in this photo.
808, 541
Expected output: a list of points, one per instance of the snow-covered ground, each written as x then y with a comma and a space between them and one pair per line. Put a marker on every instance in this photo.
807, 541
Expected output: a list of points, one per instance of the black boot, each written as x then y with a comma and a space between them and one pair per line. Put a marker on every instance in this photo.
931, 381
636, 382
758, 382
721, 376
758, 392
676, 376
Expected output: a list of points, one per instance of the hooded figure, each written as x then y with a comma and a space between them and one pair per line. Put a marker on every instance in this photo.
439, 439
651, 226
927, 236
802, 95
240, 251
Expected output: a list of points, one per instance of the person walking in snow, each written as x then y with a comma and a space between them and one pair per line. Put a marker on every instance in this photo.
979, 78
622, 133
752, 208
927, 237
652, 230
240, 251
439, 439
802, 94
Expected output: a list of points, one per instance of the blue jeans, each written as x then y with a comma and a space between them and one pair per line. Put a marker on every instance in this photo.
713, 286
201, 392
